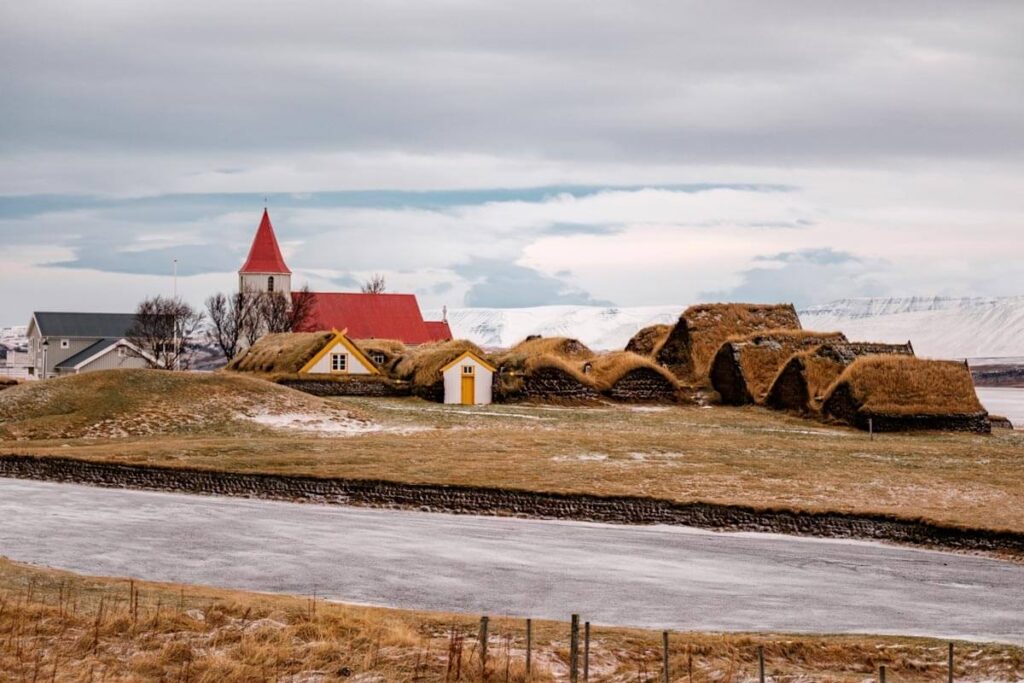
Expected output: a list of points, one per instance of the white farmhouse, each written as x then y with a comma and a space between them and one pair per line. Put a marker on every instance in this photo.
468, 380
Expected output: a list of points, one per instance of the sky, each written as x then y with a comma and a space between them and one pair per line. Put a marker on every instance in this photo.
513, 154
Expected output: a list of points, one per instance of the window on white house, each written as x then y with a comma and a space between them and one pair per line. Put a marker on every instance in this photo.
339, 362
270, 283
65, 343
467, 369
378, 358
122, 351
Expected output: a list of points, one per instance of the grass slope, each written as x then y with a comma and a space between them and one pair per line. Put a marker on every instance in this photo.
61, 626
132, 403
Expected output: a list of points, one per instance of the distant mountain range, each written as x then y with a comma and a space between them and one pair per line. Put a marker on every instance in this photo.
939, 327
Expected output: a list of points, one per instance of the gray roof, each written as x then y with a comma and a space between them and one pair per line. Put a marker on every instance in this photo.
84, 324
87, 352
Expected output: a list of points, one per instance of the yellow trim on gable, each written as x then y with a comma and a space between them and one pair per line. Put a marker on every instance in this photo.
472, 355
340, 338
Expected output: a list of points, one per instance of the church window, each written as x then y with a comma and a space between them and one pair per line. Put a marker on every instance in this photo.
270, 283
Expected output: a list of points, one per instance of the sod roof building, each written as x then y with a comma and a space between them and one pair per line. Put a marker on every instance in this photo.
803, 380
690, 346
743, 369
902, 393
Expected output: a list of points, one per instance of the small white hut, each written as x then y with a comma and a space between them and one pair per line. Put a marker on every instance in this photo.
339, 356
468, 380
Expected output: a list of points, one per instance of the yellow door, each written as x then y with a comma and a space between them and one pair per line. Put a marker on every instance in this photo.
468, 390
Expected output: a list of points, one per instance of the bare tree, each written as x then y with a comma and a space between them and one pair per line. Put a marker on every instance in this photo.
231, 317
164, 332
375, 285
303, 302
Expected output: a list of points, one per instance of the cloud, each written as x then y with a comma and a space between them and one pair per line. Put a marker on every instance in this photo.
806, 276
499, 284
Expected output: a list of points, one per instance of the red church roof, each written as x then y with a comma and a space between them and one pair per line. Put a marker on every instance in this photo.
374, 316
264, 254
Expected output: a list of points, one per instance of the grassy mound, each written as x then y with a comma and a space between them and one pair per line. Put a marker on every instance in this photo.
125, 403
286, 352
905, 385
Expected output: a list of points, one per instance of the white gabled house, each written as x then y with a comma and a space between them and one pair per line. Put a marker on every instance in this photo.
468, 380
106, 354
69, 343
339, 356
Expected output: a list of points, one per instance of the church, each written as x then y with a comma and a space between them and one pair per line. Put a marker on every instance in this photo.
364, 316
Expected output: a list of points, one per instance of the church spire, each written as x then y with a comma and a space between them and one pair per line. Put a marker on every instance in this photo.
264, 254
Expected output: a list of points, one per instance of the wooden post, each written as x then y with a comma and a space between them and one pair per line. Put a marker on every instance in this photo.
881, 674
574, 650
950, 662
664, 656
760, 663
586, 652
529, 645
871, 429
483, 648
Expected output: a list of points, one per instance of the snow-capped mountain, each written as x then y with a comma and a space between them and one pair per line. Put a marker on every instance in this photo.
596, 326
939, 327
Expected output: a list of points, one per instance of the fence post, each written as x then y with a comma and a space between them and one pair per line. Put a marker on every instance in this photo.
760, 663
529, 645
881, 674
586, 652
871, 429
574, 649
950, 663
483, 648
664, 656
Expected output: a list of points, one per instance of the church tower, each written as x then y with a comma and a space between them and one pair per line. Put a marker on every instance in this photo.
265, 269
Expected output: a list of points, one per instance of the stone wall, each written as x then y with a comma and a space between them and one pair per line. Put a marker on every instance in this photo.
504, 502
974, 422
354, 385
644, 385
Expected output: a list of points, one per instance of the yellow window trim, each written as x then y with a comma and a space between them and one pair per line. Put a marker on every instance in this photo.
340, 338
469, 354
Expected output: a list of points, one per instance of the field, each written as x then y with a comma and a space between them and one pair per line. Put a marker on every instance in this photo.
60, 626
725, 455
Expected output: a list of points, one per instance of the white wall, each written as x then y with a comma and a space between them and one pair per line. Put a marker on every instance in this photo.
482, 384
355, 365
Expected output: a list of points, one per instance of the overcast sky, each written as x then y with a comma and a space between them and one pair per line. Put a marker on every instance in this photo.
513, 154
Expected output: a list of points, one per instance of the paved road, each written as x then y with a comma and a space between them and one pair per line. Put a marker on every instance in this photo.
644, 576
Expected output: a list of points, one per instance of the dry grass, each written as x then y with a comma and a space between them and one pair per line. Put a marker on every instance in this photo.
703, 328
905, 385
609, 368
563, 347
821, 366
648, 339
762, 355
391, 349
60, 626
422, 365
286, 352
131, 403
748, 456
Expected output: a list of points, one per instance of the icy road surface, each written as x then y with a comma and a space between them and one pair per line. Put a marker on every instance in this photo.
663, 577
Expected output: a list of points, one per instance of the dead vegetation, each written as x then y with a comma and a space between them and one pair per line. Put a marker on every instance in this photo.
626, 376
648, 339
901, 385
744, 367
132, 403
58, 626
284, 352
690, 346
801, 383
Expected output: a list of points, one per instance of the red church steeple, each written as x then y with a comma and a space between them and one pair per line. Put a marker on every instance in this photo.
264, 254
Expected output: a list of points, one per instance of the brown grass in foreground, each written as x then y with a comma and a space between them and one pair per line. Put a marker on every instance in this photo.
57, 626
